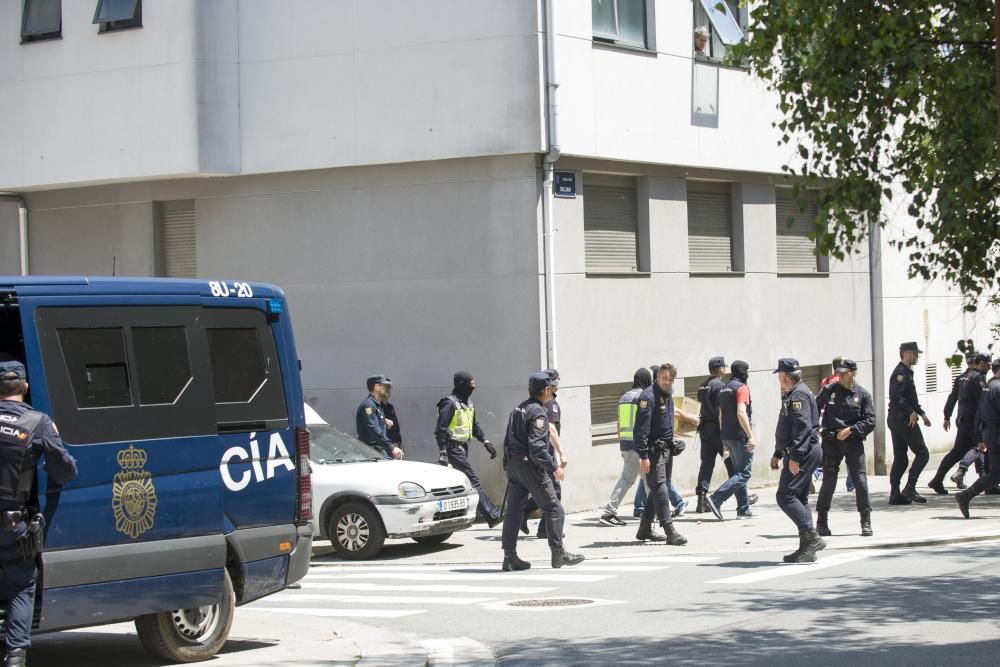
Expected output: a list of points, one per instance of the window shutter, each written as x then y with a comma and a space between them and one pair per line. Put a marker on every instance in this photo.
813, 375
178, 240
796, 251
931, 377
610, 224
710, 228
604, 411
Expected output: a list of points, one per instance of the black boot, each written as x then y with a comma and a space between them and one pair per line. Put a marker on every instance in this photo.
512, 563
16, 657
562, 557
524, 524
866, 524
792, 557
646, 532
702, 504
937, 486
959, 478
897, 498
962, 498
822, 525
812, 544
910, 491
674, 538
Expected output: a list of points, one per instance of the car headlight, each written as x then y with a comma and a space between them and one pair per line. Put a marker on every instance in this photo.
468, 484
411, 490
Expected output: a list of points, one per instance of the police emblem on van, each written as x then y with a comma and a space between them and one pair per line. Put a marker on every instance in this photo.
133, 495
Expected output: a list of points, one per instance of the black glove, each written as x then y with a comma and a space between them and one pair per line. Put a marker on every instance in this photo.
491, 449
443, 458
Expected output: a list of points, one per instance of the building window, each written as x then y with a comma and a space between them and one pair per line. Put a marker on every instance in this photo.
118, 14
718, 25
931, 377
710, 227
623, 22
795, 226
813, 375
177, 235
610, 224
40, 20
604, 411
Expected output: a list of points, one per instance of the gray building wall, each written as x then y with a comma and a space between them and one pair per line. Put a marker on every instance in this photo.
10, 240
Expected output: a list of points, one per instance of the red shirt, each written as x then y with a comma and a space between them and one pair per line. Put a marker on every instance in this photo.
829, 379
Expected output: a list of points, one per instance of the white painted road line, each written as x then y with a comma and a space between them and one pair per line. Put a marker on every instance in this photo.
455, 576
624, 560
597, 566
341, 613
789, 569
375, 599
435, 588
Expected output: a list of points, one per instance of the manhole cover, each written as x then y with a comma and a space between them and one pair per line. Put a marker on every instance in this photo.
551, 602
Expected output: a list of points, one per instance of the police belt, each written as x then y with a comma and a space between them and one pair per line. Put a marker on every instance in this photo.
830, 434
11, 518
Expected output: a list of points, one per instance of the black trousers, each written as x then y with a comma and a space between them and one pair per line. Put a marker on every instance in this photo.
711, 450
852, 451
458, 456
992, 437
964, 441
793, 490
905, 439
661, 467
526, 480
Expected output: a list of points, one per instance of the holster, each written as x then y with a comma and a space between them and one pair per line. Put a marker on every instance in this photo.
677, 446
10, 519
33, 541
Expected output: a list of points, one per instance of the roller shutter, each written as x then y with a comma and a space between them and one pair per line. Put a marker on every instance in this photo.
610, 225
177, 224
796, 251
710, 228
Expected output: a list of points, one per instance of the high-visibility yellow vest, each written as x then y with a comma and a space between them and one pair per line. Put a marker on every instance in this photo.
626, 420
460, 428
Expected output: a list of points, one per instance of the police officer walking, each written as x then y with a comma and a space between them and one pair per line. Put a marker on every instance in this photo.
988, 428
370, 418
848, 418
25, 435
628, 405
709, 430
966, 391
796, 442
904, 412
456, 426
654, 442
531, 470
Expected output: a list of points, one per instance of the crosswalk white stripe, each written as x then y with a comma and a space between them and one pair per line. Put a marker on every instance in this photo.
655, 559
375, 599
483, 570
346, 613
784, 570
434, 588
458, 576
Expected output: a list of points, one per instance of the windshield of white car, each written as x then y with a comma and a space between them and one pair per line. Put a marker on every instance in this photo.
328, 445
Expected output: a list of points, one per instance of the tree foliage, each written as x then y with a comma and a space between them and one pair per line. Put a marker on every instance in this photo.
877, 93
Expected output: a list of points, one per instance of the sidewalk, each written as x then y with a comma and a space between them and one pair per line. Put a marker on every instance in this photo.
939, 521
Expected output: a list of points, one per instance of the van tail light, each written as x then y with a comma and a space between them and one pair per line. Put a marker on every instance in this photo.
305, 507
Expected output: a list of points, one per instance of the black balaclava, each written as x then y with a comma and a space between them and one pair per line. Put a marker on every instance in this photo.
642, 379
740, 370
463, 385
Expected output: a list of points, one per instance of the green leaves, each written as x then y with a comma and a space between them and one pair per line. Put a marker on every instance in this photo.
892, 97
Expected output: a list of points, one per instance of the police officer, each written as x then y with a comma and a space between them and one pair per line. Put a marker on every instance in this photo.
654, 442
709, 430
25, 434
797, 443
988, 430
392, 428
370, 418
530, 472
848, 417
456, 426
628, 405
966, 392
554, 412
904, 412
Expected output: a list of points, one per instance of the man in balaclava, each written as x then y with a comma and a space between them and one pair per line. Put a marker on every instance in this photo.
735, 413
456, 426
628, 404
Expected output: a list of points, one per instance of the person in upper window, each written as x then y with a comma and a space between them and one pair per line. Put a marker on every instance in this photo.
701, 37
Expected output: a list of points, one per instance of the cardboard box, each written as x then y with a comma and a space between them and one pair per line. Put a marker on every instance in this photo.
683, 428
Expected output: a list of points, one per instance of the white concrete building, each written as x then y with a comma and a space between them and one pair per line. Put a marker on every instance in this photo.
386, 163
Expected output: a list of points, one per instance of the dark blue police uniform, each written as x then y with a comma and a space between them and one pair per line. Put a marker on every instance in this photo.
966, 393
710, 434
370, 422
25, 436
796, 439
905, 438
654, 437
988, 429
851, 408
395, 432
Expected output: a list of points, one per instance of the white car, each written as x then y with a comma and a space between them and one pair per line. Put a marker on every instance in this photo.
360, 498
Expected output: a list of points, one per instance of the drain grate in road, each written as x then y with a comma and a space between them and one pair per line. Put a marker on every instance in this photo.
551, 602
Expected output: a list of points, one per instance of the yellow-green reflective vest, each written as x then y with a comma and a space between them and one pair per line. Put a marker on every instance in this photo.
626, 420
460, 428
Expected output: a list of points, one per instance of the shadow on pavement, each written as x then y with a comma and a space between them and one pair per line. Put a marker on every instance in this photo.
389, 552
82, 649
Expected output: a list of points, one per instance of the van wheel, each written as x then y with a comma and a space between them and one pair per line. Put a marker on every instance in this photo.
433, 539
356, 531
189, 635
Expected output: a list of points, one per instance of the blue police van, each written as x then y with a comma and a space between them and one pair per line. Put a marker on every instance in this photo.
182, 404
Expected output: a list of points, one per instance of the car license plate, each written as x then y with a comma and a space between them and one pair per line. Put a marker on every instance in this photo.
453, 504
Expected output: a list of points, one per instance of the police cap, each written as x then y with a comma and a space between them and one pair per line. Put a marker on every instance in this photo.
847, 365
12, 370
996, 363
378, 379
539, 381
716, 362
787, 365
980, 358
910, 346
